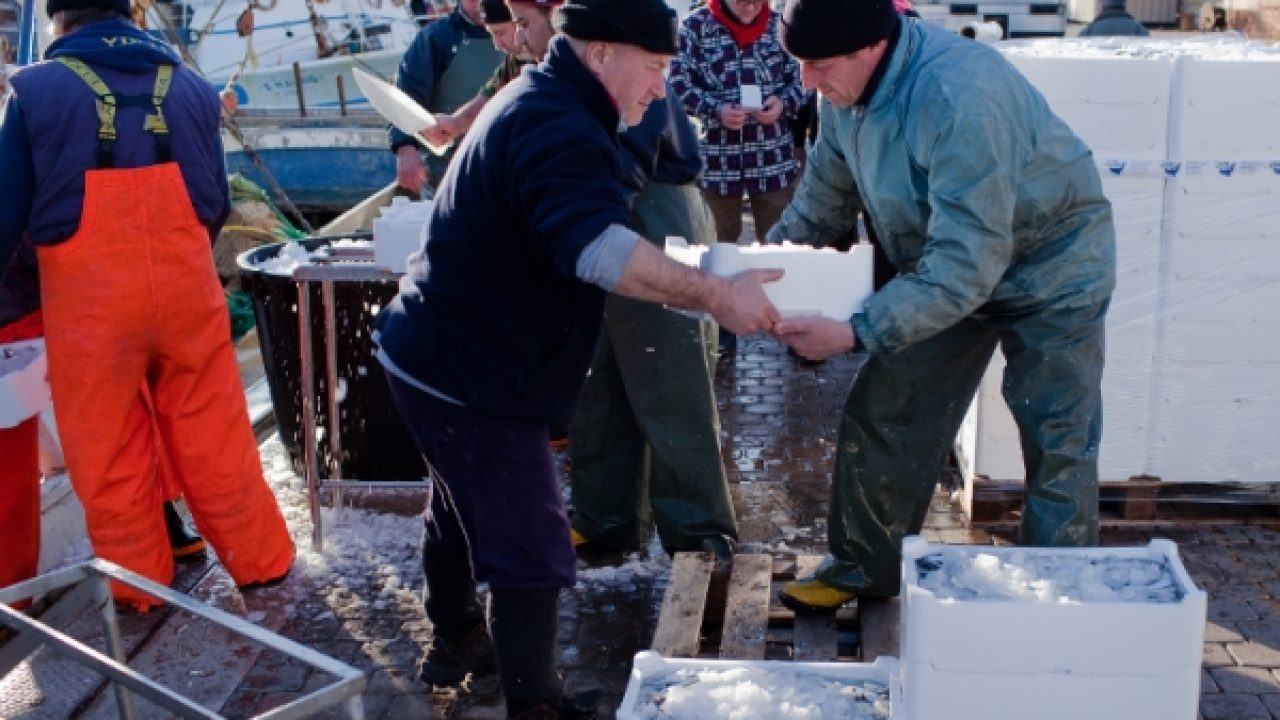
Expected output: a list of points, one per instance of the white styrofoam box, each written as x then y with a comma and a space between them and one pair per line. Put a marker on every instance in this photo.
1224, 106
649, 666
1124, 118
815, 281
1013, 660
24, 391
399, 231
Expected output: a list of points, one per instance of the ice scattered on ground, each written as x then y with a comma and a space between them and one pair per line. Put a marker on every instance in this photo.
1046, 577
752, 693
365, 553
636, 567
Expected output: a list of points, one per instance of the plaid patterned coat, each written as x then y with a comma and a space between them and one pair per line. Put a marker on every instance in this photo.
707, 73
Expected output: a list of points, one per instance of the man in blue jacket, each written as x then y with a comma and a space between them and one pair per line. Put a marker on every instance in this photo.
992, 212
489, 340
449, 61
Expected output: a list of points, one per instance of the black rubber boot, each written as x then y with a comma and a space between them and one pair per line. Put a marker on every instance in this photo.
449, 661
460, 643
186, 545
523, 623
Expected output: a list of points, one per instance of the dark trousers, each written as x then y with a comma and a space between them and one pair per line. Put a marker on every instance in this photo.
495, 498
645, 441
766, 209
904, 411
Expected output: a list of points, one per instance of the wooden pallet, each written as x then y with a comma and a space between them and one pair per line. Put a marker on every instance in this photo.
1141, 501
707, 615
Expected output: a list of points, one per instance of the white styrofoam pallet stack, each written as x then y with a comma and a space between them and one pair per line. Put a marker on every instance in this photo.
1014, 660
1124, 117
1187, 138
649, 666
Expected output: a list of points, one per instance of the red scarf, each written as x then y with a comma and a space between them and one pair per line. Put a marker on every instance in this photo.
743, 34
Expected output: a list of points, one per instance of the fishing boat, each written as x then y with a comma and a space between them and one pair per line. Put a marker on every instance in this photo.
301, 126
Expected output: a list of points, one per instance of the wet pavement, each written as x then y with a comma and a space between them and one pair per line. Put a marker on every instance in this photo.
358, 601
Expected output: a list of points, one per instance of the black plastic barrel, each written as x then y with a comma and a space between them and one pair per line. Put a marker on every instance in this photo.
375, 443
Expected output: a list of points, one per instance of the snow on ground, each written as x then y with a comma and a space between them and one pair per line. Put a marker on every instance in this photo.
1046, 577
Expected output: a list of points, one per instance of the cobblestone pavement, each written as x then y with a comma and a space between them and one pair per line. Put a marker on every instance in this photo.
779, 418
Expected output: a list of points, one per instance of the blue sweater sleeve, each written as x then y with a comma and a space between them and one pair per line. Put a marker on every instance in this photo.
16, 180
422, 67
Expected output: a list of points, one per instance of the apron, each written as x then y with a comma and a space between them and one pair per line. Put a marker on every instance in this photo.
470, 69
132, 304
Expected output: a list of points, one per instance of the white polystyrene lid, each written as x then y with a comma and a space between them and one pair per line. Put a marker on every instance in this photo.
398, 108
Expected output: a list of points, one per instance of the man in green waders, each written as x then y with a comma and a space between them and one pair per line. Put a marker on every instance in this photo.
992, 212
646, 432
448, 62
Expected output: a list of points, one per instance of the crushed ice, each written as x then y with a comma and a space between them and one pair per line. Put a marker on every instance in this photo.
1046, 577
753, 693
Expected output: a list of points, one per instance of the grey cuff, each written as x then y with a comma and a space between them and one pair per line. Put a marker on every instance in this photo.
602, 262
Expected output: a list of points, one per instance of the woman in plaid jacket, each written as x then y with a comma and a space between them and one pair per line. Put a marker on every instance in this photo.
733, 75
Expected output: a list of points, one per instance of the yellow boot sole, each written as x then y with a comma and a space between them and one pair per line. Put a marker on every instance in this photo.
812, 595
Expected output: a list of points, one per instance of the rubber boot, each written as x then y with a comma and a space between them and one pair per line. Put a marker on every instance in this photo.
523, 623
460, 643
186, 545
812, 595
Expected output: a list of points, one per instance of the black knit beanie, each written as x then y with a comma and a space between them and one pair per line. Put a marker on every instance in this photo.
494, 12
648, 24
54, 6
815, 29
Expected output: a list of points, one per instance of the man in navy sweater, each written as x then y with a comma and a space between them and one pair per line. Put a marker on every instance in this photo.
489, 340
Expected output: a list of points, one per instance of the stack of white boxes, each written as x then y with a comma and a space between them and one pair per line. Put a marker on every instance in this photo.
1186, 135
399, 231
1004, 659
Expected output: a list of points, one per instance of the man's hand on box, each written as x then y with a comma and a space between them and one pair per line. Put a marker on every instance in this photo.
743, 307
447, 129
815, 338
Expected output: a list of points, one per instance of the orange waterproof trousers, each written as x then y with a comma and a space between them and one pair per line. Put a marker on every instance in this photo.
132, 299
19, 502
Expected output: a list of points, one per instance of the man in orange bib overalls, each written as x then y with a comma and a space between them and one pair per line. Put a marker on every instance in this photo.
114, 169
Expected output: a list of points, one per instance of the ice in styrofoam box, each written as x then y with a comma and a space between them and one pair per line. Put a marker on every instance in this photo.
815, 281
1053, 633
692, 689
398, 231
24, 390
960, 574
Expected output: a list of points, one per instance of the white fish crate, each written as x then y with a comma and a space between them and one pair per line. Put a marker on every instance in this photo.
1013, 659
651, 671
24, 391
815, 281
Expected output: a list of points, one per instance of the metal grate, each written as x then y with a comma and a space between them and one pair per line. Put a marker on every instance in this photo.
87, 587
